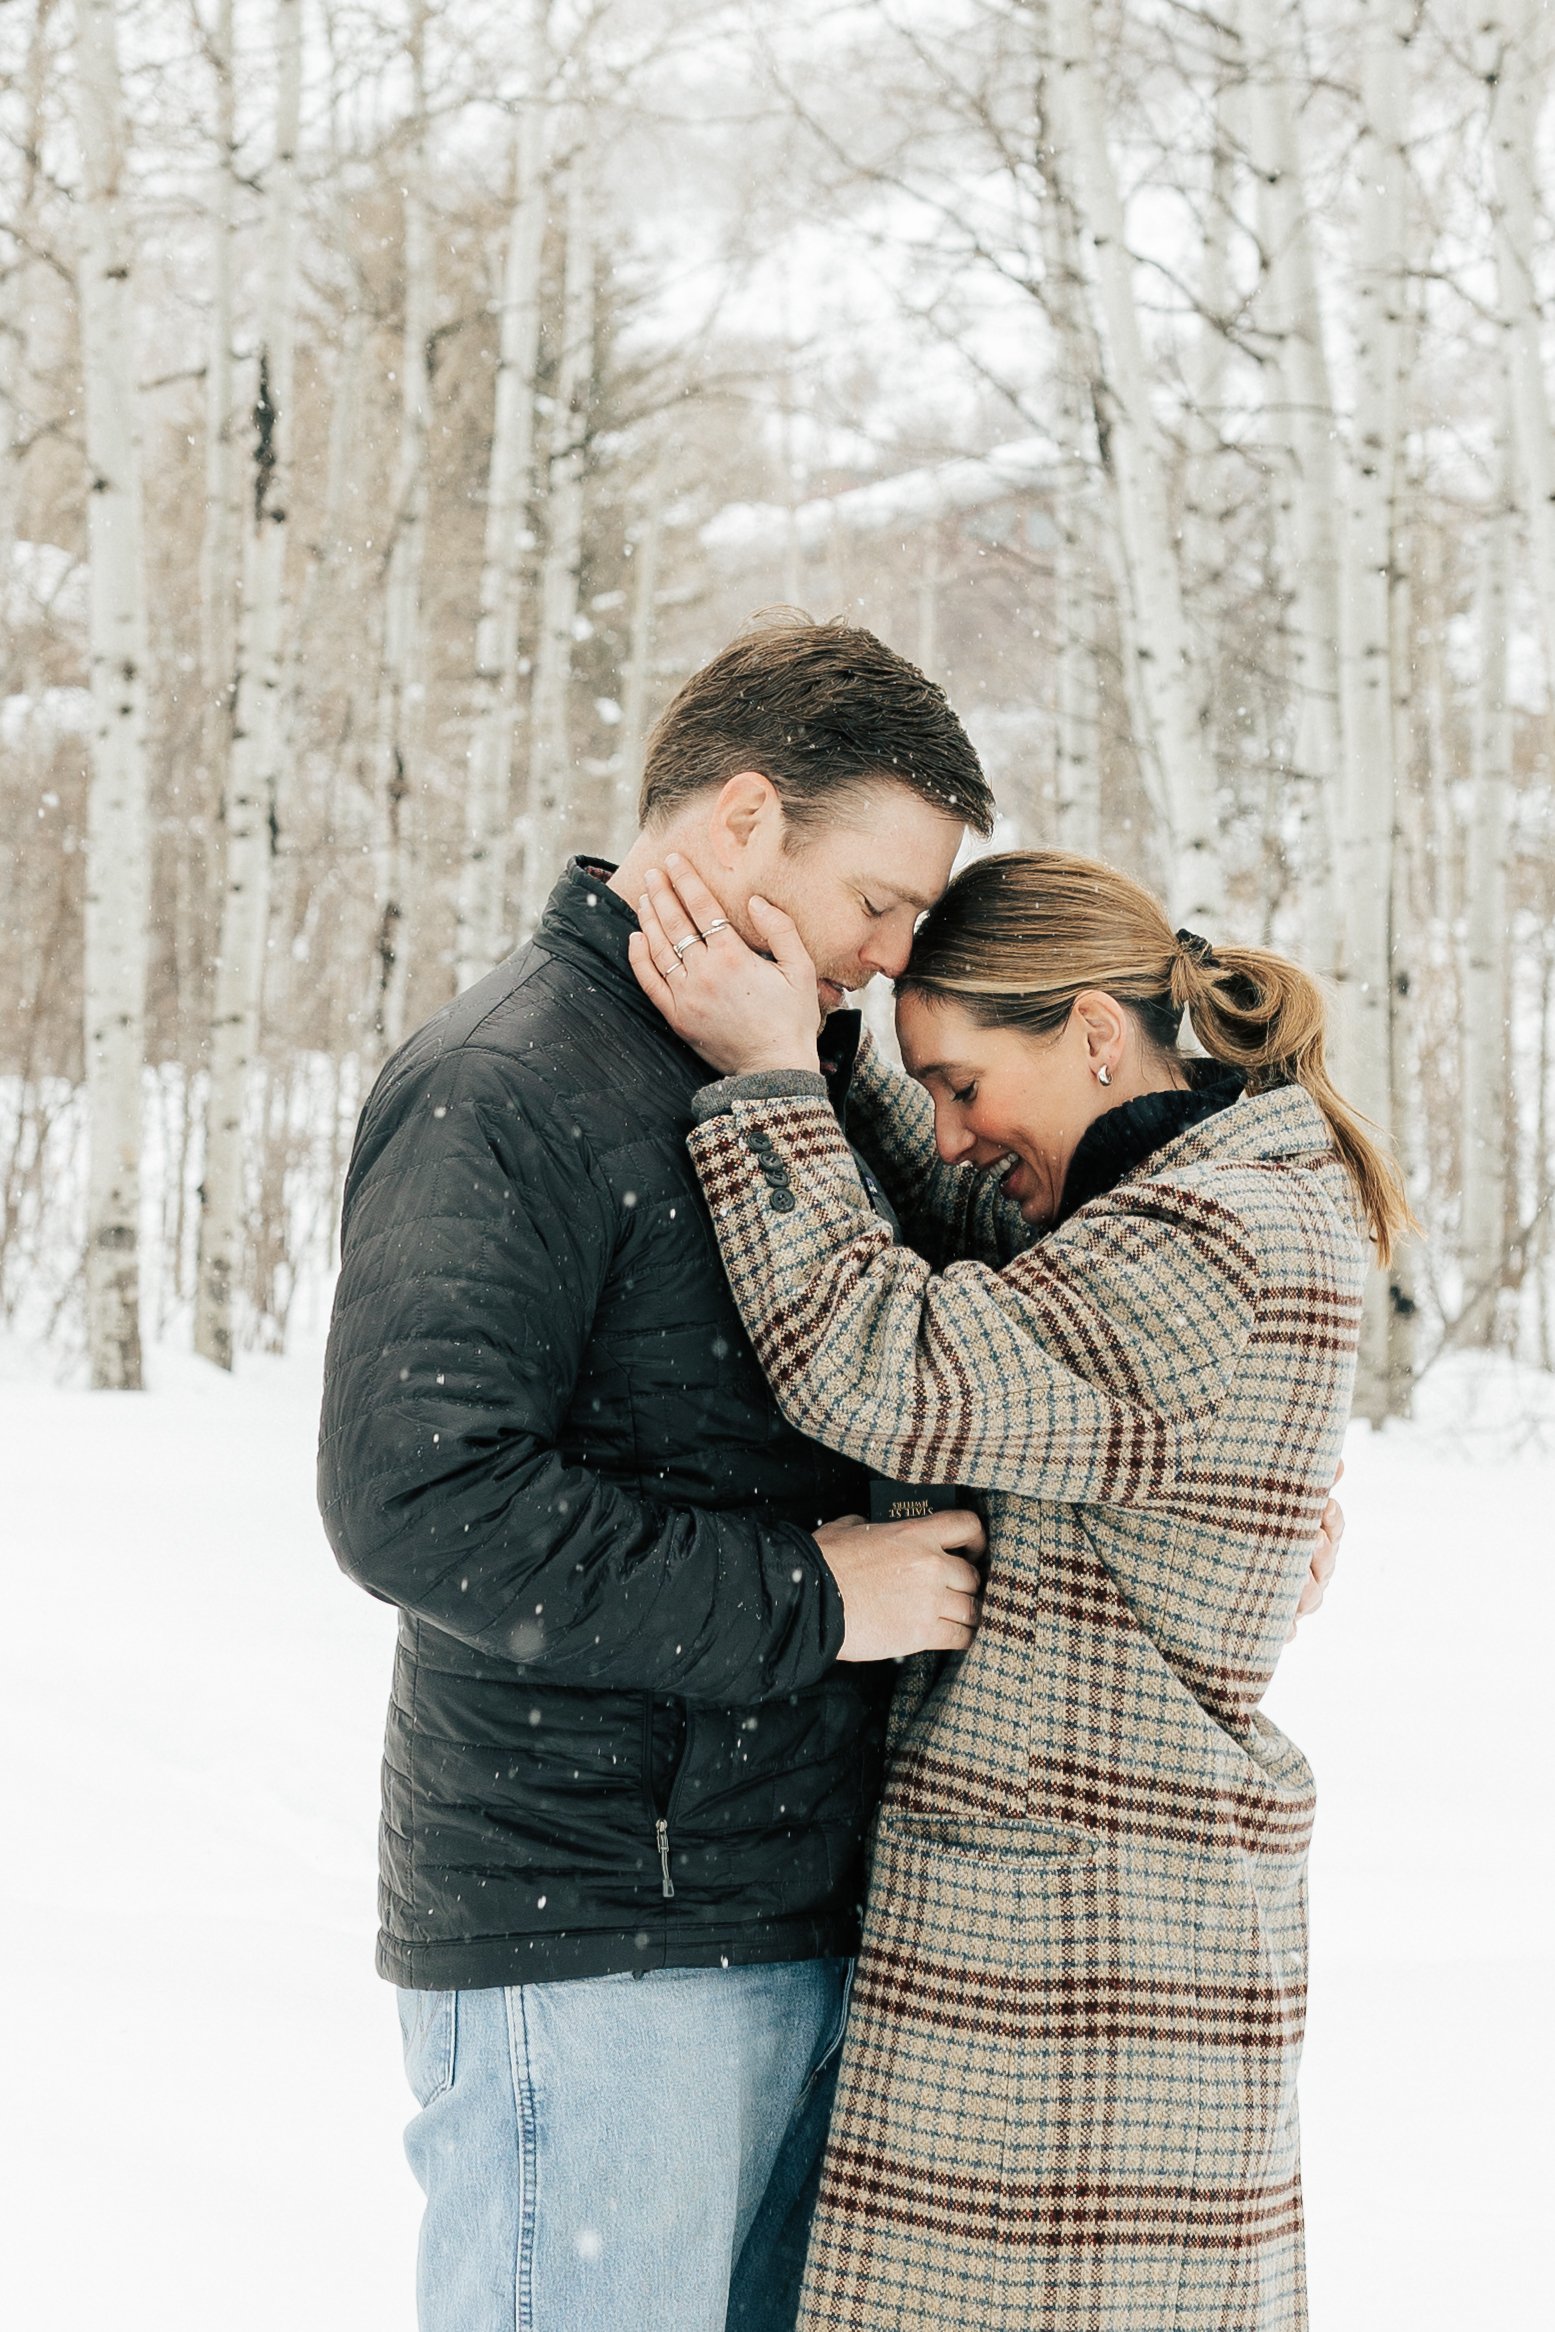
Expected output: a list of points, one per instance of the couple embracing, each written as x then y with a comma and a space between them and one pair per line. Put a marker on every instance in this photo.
834, 1866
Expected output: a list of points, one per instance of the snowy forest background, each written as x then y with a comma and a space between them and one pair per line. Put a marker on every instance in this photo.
397, 402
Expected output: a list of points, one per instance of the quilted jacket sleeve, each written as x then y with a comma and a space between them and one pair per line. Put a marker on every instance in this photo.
1080, 1372
476, 1238
945, 1211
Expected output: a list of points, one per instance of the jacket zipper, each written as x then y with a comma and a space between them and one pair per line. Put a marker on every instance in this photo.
661, 1826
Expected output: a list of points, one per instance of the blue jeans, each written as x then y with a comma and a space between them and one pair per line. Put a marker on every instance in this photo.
623, 2153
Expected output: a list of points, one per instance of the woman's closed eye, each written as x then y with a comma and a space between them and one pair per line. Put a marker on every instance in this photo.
964, 1093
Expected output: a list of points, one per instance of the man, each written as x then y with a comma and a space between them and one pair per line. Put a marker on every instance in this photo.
635, 1732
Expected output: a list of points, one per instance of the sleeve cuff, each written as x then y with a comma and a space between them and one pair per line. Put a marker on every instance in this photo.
718, 1099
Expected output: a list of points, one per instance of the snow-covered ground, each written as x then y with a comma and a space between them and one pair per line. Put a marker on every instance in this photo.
203, 2100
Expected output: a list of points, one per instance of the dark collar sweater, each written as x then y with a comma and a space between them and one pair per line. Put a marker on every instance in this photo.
1126, 1136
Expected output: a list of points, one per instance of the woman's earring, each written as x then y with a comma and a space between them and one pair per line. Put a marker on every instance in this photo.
1104, 1075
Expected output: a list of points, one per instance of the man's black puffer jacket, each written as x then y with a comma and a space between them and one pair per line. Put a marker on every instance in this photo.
546, 1438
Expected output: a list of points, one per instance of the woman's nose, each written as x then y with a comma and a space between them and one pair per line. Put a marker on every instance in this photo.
952, 1140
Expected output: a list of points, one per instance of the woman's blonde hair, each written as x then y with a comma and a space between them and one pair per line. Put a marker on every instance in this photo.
1020, 934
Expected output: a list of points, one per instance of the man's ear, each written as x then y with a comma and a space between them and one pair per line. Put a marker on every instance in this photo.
746, 811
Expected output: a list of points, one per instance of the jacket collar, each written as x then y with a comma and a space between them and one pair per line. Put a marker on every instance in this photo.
1123, 1138
1282, 1127
588, 925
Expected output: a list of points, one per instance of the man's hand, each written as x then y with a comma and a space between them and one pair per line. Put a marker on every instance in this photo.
1324, 1556
905, 1586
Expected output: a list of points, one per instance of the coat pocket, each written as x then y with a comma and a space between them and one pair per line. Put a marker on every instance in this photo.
915, 2191
1001, 1845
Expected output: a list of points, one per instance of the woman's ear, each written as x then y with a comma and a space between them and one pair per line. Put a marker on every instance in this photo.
1104, 1025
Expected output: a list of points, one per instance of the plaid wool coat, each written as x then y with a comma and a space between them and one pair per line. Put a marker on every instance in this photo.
1067, 2097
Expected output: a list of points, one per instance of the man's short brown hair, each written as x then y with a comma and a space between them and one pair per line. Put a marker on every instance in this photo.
820, 709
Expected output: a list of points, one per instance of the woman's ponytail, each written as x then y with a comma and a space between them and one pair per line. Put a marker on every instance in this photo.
1262, 1014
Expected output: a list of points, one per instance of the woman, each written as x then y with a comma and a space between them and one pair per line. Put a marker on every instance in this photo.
1068, 2089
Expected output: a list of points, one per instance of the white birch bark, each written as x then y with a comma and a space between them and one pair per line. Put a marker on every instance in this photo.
13, 276
550, 766
483, 936
258, 730
1365, 664
1082, 512
639, 662
1515, 65
118, 857
1514, 43
219, 546
18, 251
1486, 997
926, 645
1210, 486
325, 553
1516, 70
401, 688
1301, 423
1414, 842
1169, 686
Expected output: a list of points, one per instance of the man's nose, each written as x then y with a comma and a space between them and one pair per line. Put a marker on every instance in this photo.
887, 952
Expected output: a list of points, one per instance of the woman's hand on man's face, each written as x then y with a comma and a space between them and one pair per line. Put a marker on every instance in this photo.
740, 1010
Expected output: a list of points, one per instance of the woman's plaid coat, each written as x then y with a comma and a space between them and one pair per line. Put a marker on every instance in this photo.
1067, 2096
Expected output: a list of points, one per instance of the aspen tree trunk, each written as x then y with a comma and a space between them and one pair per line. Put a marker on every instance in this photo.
1365, 671
258, 731
1300, 417
220, 559
1516, 80
1542, 1195
634, 709
1086, 507
1486, 998
1516, 74
1209, 487
223, 472
483, 936
118, 844
1077, 707
550, 766
13, 272
1169, 686
18, 233
1413, 842
401, 693
926, 646
322, 553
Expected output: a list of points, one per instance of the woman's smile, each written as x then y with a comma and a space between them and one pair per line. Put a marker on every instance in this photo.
1024, 1187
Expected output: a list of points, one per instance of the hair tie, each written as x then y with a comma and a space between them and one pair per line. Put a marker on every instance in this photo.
1199, 949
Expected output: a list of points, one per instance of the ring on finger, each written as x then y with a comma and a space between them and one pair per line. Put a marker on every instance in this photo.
681, 945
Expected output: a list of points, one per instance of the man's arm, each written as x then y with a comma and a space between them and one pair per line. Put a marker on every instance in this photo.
476, 1240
